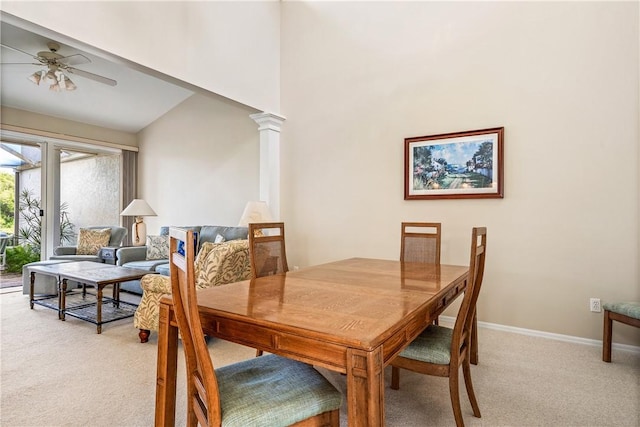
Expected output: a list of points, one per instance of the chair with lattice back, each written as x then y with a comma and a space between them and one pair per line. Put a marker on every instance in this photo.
420, 242
267, 249
267, 252
268, 390
440, 351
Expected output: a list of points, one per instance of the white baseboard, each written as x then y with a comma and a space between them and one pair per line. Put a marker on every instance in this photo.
549, 335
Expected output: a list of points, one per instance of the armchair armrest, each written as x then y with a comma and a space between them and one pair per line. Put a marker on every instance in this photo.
131, 253
65, 250
156, 283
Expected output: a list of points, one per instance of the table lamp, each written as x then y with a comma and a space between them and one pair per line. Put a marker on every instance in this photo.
138, 208
255, 212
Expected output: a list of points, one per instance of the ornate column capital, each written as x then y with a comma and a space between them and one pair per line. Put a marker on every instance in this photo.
268, 121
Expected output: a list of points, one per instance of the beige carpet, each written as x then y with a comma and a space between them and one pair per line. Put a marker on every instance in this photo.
63, 374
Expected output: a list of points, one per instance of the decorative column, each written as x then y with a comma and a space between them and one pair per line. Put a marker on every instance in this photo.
50, 199
269, 125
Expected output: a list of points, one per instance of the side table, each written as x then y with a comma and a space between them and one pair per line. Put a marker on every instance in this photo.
108, 254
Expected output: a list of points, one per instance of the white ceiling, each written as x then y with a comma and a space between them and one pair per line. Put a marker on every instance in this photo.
135, 102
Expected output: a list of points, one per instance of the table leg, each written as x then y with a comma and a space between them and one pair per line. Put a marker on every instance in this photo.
365, 388
167, 369
31, 292
62, 298
116, 294
99, 308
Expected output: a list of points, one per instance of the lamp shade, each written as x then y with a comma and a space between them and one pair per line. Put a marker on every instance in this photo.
138, 207
255, 212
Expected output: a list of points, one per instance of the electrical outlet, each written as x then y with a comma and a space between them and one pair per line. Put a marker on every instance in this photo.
594, 305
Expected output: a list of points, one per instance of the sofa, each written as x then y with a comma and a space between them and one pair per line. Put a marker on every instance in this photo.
215, 264
116, 236
154, 256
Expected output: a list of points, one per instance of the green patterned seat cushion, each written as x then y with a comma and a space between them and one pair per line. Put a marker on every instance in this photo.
273, 391
629, 309
433, 345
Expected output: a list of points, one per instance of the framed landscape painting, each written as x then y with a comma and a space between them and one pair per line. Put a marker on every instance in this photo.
460, 165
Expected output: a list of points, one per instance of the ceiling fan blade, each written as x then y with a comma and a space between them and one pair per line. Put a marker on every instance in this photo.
21, 63
21, 51
91, 76
75, 59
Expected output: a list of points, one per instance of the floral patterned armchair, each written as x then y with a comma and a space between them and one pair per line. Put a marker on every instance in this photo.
216, 264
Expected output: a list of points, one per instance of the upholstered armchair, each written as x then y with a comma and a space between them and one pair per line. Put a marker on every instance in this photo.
90, 241
216, 264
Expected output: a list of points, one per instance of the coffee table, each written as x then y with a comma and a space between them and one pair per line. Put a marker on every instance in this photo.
78, 304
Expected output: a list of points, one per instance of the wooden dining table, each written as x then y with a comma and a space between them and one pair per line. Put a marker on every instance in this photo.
351, 316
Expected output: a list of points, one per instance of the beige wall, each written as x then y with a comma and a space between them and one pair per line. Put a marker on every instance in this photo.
39, 122
562, 78
199, 163
228, 48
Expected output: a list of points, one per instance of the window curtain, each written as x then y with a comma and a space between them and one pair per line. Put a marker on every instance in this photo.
129, 189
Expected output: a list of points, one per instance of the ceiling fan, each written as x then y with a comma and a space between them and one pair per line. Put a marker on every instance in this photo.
56, 66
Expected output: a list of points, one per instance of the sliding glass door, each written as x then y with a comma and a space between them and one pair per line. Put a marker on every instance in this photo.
60, 187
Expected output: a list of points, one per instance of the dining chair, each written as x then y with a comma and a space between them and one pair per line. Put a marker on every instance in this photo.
267, 253
439, 350
266, 249
269, 390
623, 312
420, 242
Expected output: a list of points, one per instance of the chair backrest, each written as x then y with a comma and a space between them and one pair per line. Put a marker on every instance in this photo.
462, 328
420, 242
266, 249
203, 404
4, 241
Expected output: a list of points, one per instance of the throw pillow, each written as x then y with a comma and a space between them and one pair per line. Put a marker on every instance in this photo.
157, 247
202, 256
90, 241
226, 262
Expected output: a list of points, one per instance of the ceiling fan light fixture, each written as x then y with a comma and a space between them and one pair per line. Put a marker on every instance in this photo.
67, 84
51, 77
55, 87
36, 77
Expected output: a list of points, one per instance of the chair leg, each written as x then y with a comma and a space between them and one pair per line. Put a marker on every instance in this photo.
474, 339
606, 337
258, 353
455, 396
395, 378
466, 370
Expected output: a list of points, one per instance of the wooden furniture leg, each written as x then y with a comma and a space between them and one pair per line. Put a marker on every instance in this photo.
609, 317
474, 340
365, 388
144, 335
31, 292
62, 298
606, 336
99, 310
167, 369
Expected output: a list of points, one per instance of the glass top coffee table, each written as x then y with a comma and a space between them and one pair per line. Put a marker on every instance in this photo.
80, 304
